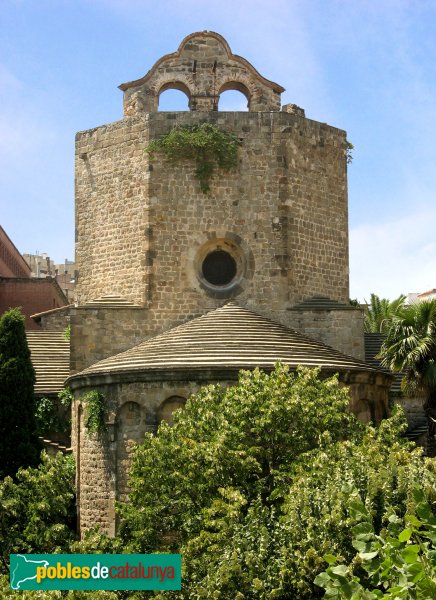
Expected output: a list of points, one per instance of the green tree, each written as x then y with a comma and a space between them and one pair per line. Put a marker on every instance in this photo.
410, 347
37, 510
19, 444
246, 437
253, 485
380, 313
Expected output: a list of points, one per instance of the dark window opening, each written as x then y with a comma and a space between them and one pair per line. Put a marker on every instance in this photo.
219, 268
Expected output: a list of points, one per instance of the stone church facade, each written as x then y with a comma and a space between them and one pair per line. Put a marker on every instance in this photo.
153, 321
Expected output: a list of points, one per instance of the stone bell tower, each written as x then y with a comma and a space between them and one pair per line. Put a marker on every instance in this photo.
145, 231
264, 253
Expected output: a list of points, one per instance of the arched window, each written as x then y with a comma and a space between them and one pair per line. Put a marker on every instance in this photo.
173, 97
130, 430
234, 97
168, 407
130, 421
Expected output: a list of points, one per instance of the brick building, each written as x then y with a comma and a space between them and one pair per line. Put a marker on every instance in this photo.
19, 288
12, 264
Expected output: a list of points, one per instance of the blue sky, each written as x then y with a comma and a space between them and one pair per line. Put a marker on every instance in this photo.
364, 66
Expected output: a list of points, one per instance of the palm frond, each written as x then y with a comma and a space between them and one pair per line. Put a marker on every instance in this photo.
410, 346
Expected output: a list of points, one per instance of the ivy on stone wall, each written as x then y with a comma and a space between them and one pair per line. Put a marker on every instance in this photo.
53, 415
205, 144
94, 411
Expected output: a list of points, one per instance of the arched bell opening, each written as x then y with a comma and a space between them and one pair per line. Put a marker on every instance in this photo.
174, 96
234, 96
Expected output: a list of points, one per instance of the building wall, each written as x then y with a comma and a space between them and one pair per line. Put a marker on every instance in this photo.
12, 264
340, 329
32, 295
41, 265
103, 460
55, 320
97, 333
143, 225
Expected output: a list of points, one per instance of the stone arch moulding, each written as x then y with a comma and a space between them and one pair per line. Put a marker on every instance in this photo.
205, 63
228, 242
130, 416
168, 406
174, 85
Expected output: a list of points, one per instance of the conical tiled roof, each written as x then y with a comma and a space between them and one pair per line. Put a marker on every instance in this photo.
230, 337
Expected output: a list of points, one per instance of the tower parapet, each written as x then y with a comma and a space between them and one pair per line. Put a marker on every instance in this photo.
203, 68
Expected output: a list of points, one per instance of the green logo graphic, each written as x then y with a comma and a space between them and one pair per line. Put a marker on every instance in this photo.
95, 572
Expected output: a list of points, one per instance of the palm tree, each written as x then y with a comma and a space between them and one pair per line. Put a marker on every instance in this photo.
410, 347
380, 313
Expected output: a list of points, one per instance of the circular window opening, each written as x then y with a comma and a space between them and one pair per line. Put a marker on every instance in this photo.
219, 268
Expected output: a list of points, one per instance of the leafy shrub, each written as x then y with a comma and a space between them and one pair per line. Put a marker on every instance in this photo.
94, 411
205, 144
49, 418
255, 484
37, 511
400, 562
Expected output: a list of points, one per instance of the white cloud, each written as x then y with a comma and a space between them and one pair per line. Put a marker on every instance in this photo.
395, 257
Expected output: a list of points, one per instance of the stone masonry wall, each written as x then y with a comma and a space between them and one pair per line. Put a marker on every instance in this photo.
285, 208
111, 211
103, 461
56, 320
340, 329
99, 333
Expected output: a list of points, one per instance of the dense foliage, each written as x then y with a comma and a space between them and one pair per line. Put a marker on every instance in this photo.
19, 444
269, 489
245, 439
54, 415
205, 144
37, 511
349, 152
400, 562
255, 484
7, 593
